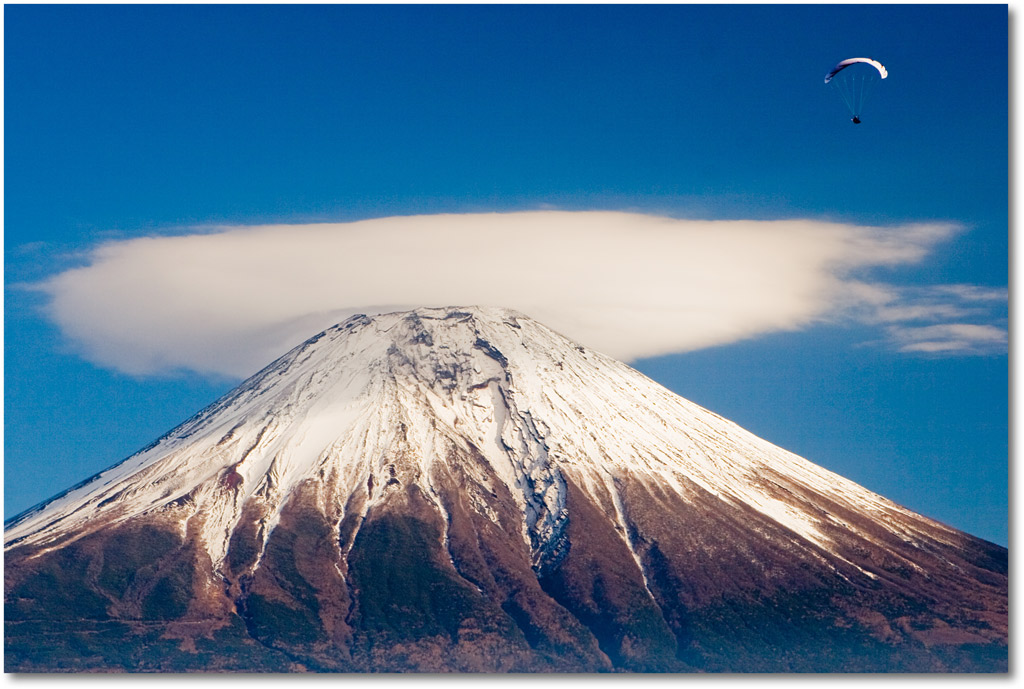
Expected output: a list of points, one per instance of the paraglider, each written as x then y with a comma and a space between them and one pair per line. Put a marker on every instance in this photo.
853, 79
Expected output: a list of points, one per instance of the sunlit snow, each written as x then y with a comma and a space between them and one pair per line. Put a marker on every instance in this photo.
375, 401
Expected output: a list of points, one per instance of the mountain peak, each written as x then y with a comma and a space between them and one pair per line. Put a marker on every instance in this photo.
371, 400
508, 456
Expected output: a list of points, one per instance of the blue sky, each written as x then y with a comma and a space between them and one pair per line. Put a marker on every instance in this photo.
173, 121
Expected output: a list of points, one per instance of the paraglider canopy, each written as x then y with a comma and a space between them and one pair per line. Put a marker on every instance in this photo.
853, 78
853, 61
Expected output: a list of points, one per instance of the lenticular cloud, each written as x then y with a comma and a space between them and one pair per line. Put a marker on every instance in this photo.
228, 302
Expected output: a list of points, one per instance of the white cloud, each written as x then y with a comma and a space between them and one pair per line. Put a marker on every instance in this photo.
631, 285
937, 319
891, 304
950, 338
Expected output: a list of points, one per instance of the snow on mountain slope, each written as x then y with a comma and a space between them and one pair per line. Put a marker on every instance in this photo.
373, 403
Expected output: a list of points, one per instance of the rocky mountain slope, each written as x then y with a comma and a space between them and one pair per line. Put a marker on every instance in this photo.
466, 490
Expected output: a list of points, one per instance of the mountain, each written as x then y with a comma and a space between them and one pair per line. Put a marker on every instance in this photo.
466, 490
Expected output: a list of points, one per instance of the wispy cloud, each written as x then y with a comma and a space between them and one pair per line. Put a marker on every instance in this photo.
937, 319
631, 285
946, 338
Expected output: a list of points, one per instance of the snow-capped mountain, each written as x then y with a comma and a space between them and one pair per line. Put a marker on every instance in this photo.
464, 489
